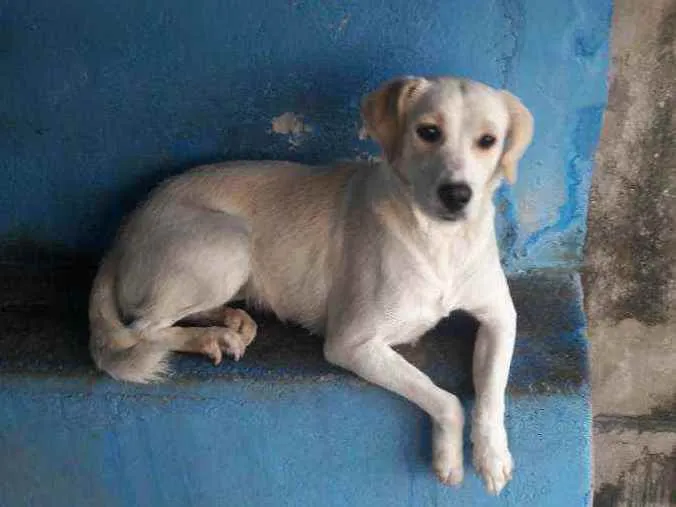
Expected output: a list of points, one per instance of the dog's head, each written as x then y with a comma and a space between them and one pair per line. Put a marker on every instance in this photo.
450, 140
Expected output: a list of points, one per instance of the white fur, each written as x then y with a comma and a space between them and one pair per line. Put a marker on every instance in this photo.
358, 253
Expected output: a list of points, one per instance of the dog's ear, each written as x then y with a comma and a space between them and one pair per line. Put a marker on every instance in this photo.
384, 111
519, 135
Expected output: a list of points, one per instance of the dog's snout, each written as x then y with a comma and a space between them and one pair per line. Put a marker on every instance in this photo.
454, 196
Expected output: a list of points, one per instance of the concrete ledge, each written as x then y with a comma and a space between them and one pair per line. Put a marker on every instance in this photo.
281, 427
44, 323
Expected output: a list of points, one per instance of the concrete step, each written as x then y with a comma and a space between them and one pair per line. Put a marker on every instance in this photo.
280, 427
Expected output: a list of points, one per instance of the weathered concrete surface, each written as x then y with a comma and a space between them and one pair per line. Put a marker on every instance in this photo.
630, 278
642, 469
633, 367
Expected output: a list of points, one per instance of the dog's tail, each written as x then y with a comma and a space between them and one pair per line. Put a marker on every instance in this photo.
117, 349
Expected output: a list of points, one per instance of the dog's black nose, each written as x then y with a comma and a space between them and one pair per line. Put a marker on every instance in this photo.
454, 196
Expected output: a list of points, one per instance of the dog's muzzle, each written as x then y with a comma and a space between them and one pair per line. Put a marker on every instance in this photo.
454, 197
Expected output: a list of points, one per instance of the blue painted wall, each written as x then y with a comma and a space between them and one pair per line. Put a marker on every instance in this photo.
99, 100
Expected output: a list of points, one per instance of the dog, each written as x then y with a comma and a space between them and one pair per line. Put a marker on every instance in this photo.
369, 255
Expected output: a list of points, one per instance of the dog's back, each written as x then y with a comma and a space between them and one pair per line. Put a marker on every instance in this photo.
260, 231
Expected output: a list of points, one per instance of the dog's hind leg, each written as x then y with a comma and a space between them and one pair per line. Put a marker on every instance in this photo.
211, 341
190, 265
235, 319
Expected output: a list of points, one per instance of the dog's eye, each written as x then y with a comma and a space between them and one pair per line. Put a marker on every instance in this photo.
486, 141
429, 133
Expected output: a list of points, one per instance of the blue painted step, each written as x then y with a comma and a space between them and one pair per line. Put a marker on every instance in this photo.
281, 427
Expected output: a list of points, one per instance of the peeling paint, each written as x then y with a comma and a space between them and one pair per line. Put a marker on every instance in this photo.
362, 133
572, 213
513, 12
342, 24
293, 125
365, 156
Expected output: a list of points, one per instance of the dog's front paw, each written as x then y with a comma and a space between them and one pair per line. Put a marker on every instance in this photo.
492, 460
447, 459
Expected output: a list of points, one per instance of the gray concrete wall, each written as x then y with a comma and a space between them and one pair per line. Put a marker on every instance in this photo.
631, 262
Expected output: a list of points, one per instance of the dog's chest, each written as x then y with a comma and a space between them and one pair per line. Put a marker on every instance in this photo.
436, 296
421, 294
415, 309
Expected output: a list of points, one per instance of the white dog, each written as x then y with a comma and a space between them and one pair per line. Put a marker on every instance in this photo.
371, 257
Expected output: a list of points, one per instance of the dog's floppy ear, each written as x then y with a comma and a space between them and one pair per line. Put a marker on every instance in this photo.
519, 135
384, 111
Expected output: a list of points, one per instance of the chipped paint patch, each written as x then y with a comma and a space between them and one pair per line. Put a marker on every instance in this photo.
368, 157
362, 133
293, 125
341, 25
343, 22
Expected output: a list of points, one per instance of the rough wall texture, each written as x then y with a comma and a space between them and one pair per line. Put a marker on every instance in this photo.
631, 263
100, 100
